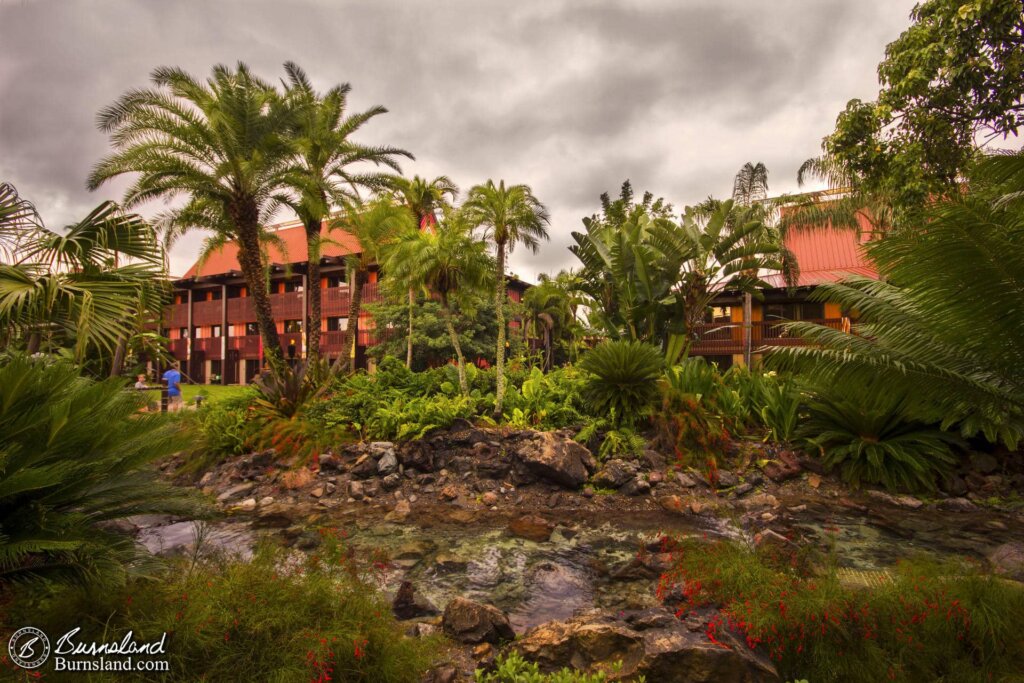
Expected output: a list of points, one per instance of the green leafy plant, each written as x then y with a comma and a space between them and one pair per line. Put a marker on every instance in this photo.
412, 418
780, 404
623, 380
868, 437
548, 401
512, 668
615, 442
74, 457
224, 428
691, 422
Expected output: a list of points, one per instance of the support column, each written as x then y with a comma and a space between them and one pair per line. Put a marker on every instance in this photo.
748, 313
303, 335
188, 343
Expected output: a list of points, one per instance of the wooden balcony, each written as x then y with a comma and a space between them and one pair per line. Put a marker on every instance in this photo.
176, 315
207, 313
210, 348
287, 306
241, 310
335, 302
178, 348
248, 346
726, 338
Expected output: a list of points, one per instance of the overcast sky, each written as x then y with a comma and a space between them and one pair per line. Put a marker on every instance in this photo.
570, 97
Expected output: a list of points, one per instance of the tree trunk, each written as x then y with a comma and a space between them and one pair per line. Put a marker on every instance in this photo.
408, 349
350, 339
252, 270
748, 328
499, 310
459, 359
315, 294
117, 364
32, 347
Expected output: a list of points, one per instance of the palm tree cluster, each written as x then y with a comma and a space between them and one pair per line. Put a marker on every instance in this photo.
238, 149
651, 276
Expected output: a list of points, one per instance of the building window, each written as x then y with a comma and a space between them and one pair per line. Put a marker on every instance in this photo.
292, 326
197, 333
337, 324
804, 310
720, 314
234, 292
215, 331
293, 286
251, 329
336, 280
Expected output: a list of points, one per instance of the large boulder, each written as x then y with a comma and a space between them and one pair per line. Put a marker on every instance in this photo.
615, 473
557, 458
1008, 560
468, 621
650, 643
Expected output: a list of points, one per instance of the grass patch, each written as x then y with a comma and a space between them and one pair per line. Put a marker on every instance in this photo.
276, 618
932, 622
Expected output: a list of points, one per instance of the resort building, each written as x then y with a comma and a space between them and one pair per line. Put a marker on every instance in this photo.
211, 323
824, 255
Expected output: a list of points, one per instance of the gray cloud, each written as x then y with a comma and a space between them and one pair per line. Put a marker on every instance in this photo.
570, 97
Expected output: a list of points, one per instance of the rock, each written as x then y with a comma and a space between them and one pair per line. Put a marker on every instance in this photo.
483, 650
655, 477
532, 528
984, 463
206, 479
408, 605
772, 539
247, 505
236, 491
649, 643
266, 500
364, 467
814, 480
786, 466
489, 499
588, 491
422, 629
467, 621
329, 462
811, 464
557, 459
553, 499
697, 507
418, 455
614, 474
908, 502
954, 485
743, 489
727, 479
759, 500
672, 504
637, 486
1008, 560
391, 481
317, 492
685, 480
401, 511
355, 489
274, 515
798, 508
445, 673
450, 563
387, 464
450, 492
653, 460
957, 504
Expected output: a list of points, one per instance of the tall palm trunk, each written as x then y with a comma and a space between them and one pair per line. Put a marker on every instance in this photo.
314, 295
350, 339
500, 295
117, 364
459, 359
408, 348
252, 271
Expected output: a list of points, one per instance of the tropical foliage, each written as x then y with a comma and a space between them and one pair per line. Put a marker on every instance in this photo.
65, 485
622, 383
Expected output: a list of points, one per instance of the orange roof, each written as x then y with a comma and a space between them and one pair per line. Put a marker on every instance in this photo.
826, 254
225, 260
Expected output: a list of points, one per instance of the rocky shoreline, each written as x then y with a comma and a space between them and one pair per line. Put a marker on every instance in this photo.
544, 488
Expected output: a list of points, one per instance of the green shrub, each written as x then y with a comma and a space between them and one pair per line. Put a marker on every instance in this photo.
74, 456
615, 442
547, 401
623, 381
691, 422
866, 436
411, 418
274, 618
512, 668
931, 622
779, 409
222, 428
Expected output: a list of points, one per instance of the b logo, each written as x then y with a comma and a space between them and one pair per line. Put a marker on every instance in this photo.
29, 647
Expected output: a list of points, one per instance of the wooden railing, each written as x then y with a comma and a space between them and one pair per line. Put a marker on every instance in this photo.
178, 348
176, 315
248, 346
210, 348
207, 313
335, 302
725, 338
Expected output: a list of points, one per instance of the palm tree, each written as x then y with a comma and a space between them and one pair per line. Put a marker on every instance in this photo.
226, 144
88, 287
377, 224
423, 198
326, 171
509, 216
549, 315
448, 262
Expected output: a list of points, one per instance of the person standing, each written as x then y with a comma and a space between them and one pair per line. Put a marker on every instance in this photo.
173, 379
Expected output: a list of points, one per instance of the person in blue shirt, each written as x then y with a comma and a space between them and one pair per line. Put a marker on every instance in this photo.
173, 379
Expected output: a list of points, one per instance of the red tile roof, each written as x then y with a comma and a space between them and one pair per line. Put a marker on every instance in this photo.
225, 260
826, 254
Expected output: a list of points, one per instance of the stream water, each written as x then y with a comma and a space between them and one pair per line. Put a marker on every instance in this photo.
575, 570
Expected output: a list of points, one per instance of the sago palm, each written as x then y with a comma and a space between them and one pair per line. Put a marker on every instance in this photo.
225, 144
64, 483
509, 216
942, 330
329, 169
